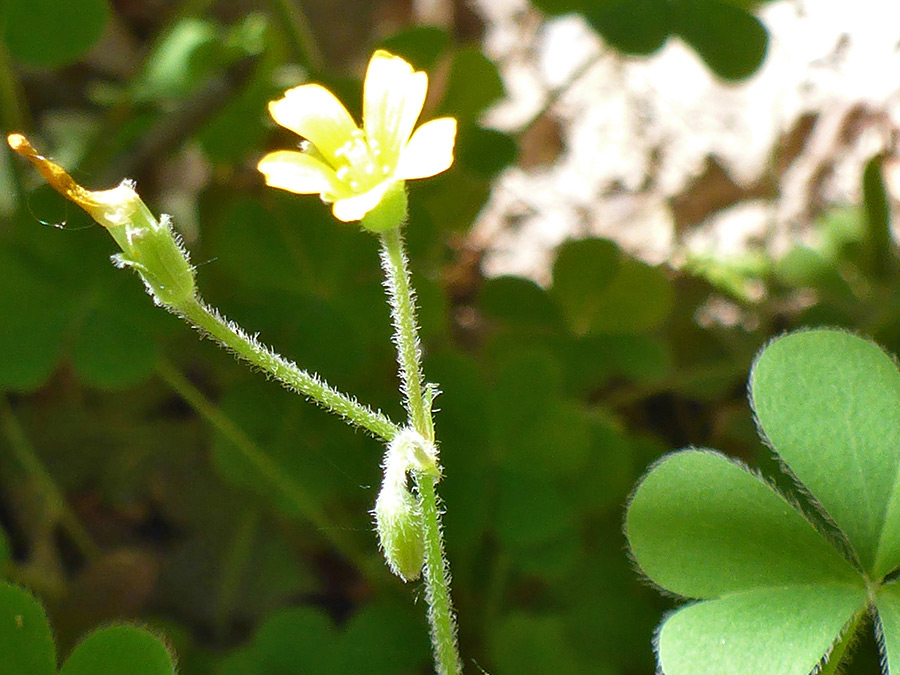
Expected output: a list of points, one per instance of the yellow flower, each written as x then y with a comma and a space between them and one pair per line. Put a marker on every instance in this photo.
354, 168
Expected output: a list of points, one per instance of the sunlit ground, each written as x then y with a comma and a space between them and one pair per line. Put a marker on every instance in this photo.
659, 155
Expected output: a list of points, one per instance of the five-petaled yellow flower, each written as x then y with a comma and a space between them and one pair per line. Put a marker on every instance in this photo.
354, 168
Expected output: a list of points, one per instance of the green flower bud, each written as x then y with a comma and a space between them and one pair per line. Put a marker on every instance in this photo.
398, 520
398, 513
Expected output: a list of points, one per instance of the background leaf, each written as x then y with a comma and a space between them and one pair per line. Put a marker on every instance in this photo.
631, 26
26, 645
49, 33
119, 649
109, 353
582, 272
732, 42
35, 317
530, 644
420, 45
881, 252
474, 84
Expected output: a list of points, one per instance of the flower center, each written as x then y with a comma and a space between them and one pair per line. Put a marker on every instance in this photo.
361, 165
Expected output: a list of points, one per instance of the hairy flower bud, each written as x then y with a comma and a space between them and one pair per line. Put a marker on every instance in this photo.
398, 513
398, 520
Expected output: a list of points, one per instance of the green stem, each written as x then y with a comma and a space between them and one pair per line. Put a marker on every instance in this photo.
233, 567
290, 489
13, 115
56, 502
437, 575
212, 324
403, 313
437, 583
298, 32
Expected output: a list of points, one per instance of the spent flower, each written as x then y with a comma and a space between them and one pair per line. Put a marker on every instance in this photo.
357, 169
149, 245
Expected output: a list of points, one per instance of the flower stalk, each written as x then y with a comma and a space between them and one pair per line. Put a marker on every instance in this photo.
402, 299
441, 617
361, 172
291, 376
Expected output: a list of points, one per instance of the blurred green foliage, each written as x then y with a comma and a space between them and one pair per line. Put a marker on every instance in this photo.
554, 401
729, 39
50, 33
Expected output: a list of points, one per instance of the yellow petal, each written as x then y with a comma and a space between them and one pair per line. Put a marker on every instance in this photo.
313, 112
356, 207
393, 96
300, 173
430, 150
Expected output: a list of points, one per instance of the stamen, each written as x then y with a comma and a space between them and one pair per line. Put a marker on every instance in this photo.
359, 167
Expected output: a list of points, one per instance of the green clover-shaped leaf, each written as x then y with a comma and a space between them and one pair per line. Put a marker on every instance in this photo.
829, 404
775, 593
26, 644
119, 649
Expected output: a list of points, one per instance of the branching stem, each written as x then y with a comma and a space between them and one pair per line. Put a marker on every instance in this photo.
212, 324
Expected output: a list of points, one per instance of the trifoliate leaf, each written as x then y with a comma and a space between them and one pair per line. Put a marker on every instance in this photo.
829, 404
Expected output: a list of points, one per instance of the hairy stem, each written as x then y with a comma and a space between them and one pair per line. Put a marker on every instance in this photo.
437, 576
403, 312
437, 583
212, 324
